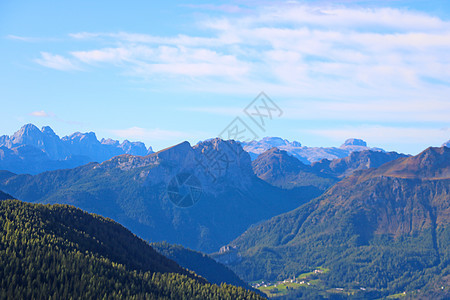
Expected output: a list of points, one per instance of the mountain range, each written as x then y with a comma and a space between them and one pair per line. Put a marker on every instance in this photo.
385, 230
33, 151
279, 168
134, 191
306, 155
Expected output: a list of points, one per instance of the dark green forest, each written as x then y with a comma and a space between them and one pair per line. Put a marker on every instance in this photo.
61, 252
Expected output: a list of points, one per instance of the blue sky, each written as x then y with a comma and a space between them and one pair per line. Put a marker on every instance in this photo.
167, 71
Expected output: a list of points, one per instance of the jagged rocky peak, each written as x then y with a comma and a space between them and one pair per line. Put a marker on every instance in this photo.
447, 144
354, 142
82, 137
276, 142
5, 141
28, 134
47, 130
134, 148
70, 151
229, 150
224, 160
109, 142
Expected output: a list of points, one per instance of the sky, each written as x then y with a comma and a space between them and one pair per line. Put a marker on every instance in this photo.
163, 72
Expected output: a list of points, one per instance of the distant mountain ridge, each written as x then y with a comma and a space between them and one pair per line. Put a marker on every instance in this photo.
306, 155
33, 151
283, 170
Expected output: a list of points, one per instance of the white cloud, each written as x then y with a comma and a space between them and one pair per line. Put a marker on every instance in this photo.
57, 62
42, 114
369, 64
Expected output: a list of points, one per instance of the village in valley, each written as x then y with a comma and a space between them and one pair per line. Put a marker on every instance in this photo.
283, 287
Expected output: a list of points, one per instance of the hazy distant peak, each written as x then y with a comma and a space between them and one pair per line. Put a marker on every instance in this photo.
109, 142
277, 141
52, 152
306, 155
48, 131
354, 142
27, 130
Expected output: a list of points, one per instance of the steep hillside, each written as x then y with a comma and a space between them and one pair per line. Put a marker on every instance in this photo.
384, 229
200, 263
61, 252
134, 191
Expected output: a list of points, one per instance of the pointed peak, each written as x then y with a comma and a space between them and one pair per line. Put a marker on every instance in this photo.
48, 130
29, 128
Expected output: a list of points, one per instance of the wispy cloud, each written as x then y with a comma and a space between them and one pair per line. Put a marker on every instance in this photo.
58, 62
139, 133
42, 114
21, 38
368, 63
30, 39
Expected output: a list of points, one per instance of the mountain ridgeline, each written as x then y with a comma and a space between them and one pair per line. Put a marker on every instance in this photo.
384, 229
281, 169
133, 191
61, 252
33, 151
